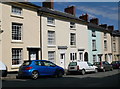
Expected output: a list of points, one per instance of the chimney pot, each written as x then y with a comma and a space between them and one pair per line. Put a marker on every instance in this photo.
111, 27
70, 10
103, 25
48, 4
94, 21
84, 17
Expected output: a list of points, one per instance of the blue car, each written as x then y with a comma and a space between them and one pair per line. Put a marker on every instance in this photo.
35, 68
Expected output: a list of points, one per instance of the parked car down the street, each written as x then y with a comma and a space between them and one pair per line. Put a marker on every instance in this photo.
3, 69
81, 67
116, 64
36, 68
103, 65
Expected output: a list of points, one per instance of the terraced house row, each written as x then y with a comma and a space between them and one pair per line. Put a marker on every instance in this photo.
30, 32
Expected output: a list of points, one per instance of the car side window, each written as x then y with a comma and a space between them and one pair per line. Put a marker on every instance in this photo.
38, 63
48, 64
89, 64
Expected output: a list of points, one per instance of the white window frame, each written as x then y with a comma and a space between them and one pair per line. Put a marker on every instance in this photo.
17, 32
51, 38
16, 10
94, 58
105, 35
114, 47
93, 45
50, 21
93, 34
72, 25
73, 56
105, 45
72, 39
51, 56
17, 56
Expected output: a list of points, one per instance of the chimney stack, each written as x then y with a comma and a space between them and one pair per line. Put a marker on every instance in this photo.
48, 4
84, 17
94, 21
111, 28
103, 25
70, 10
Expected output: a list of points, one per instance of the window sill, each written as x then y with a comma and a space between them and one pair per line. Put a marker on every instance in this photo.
73, 46
16, 66
51, 46
94, 50
17, 16
17, 41
72, 28
51, 25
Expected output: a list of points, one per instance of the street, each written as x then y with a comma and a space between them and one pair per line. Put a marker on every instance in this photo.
100, 79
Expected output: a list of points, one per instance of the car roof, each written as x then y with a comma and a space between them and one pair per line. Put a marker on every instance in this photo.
36, 60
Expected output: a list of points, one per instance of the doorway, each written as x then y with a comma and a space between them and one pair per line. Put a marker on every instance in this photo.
33, 53
86, 56
62, 60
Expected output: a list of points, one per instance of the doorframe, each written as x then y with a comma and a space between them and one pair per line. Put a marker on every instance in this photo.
36, 50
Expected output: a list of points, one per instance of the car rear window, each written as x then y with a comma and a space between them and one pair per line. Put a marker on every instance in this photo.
73, 64
26, 63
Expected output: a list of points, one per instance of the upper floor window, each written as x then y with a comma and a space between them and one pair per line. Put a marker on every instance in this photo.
51, 37
94, 45
72, 25
93, 34
105, 45
16, 56
72, 39
50, 21
114, 47
16, 10
105, 35
16, 31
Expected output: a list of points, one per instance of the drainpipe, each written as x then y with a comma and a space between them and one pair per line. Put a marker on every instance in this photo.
41, 35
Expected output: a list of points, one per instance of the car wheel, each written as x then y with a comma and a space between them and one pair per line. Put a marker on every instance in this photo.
111, 69
83, 72
104, 70
96, 70
60, 74
35, 75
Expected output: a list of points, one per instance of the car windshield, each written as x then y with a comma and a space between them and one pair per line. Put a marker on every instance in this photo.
26, 63
73, 64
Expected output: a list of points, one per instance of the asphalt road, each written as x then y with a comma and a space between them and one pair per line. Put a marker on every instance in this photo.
100, 79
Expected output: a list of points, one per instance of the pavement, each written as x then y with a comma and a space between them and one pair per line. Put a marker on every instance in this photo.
11, 75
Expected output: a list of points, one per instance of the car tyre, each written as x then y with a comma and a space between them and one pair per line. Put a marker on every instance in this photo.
60, 74
111, 69
96, 70
83, 72
104, 70
35, 75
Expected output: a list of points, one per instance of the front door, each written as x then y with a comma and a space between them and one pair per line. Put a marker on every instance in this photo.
33, 54
62, 60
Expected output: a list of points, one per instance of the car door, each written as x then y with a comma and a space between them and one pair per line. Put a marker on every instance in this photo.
50, 68
91, 68
41, 67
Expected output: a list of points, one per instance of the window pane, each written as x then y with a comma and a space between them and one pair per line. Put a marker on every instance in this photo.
16, 56
16, 31
51, 37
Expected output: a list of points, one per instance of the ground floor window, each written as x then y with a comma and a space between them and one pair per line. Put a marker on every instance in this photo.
94, 58
81, 56
73, 56
51, 56
16, 56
